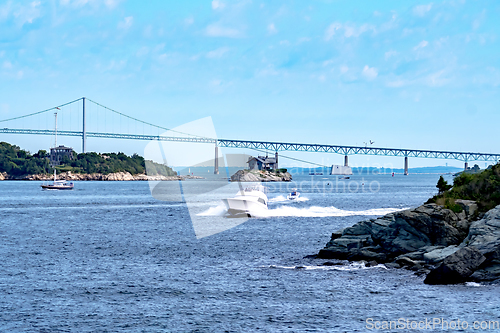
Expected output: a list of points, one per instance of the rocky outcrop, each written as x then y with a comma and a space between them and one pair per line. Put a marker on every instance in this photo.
457, 267
260, 176
450, 247
117, 176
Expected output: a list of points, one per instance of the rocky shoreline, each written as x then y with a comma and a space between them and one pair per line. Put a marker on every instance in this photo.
260, 176
446, 246
117, 176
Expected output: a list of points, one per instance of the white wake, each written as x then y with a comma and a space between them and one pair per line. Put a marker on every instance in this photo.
314, 211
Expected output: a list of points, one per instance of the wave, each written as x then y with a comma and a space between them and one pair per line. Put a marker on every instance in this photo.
220, 210
350, 267
314, 211
282, 198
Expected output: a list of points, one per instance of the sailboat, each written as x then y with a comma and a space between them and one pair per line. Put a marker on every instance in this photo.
57, 184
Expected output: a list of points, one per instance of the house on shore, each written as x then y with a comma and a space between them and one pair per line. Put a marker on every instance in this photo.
263, 163
58, 153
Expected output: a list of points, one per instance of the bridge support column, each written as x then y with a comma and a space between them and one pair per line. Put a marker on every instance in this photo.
84, 131
466, 165
406, 166
346, 160
276, 156
216, 161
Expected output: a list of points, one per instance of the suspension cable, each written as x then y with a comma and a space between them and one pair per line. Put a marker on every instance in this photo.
35, 113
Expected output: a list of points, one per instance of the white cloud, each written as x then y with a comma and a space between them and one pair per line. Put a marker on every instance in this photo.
350, 30
218, 53
5, 10
215, 30
189, 21
436, 79
111, 3
26, 14
344, 69
369, 73
331, 30
353, 31
126, 23
421, 45
271, 29
421, 10
218, 4
479, 20
390, 54
7, 65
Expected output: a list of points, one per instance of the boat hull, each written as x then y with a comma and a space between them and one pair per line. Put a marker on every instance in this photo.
57, 187
238, 206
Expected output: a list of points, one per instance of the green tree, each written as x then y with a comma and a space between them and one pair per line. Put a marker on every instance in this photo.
442, 185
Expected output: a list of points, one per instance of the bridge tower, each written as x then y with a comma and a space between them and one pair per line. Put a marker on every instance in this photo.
216, 161
84, 131
406, 166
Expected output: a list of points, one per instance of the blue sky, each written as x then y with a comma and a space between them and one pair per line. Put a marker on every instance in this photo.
405, 74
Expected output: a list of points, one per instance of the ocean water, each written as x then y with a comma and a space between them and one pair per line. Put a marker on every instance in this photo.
108, 257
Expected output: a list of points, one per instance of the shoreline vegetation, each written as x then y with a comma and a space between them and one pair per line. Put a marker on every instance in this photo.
453, 238
19, 164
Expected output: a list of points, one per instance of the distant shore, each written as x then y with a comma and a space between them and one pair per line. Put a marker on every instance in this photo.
116, 176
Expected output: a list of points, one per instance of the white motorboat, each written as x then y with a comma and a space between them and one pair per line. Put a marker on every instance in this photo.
249, 201
293, 195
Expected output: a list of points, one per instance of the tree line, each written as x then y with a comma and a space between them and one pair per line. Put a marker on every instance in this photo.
17, 162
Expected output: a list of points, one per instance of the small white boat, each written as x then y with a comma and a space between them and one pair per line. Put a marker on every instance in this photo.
293, 195
249, 201
57, 184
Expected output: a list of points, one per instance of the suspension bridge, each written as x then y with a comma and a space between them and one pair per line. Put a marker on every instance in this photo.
77, 114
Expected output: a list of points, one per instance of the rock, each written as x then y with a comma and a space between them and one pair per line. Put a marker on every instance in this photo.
438, 255
260, 176
392, 265
484, 232
415, 231
469, 206
329, 263
457, 267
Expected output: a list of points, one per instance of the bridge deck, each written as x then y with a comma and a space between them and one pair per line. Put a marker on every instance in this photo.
278, 146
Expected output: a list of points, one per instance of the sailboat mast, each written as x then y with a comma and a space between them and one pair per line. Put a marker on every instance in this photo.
55, 143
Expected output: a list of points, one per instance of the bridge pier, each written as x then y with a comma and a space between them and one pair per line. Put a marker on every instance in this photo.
276, 156
216, 161
346, 160
406, 166
466, 166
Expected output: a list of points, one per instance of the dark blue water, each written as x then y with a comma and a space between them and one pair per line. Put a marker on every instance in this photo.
108, 257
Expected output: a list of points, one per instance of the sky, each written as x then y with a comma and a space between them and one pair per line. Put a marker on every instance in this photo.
404, 74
